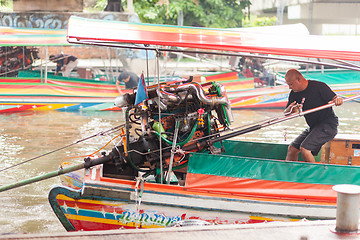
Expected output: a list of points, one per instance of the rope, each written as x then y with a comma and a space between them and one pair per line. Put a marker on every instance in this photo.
92, 154
138, 196
72, 144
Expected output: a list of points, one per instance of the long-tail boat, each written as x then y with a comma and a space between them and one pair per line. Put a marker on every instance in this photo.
175, 163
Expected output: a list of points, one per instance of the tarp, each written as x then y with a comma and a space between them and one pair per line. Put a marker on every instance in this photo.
276, 151
331, 77
31, 37
267, 178
82, 30
261, 169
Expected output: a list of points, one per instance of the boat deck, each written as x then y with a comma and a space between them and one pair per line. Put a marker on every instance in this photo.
274, 230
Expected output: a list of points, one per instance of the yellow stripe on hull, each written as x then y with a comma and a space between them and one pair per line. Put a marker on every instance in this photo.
109, 221
65, 198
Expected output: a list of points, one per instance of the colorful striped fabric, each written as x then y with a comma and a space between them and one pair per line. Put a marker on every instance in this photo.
32, 37
32, 94
29, 92
81, 30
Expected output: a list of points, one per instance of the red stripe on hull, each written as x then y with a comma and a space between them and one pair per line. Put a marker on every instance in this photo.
19, 80
19, 109
95, 226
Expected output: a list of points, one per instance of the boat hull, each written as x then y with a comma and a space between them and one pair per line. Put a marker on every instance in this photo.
100, 207
219, 189
62, 94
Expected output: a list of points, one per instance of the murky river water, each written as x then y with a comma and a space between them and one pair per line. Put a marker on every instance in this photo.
24, 136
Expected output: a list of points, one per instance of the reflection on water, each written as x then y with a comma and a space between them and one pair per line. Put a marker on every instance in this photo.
24, 136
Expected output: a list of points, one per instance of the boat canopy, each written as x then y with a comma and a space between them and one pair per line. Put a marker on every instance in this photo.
90, 31
32, 37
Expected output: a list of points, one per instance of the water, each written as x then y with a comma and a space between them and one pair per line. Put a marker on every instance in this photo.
26, 135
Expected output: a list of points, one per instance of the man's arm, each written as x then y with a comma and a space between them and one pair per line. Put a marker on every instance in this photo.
66, 61
58, 68
118, 86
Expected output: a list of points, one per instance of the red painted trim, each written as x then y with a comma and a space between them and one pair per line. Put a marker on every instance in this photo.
242, 194
93, 226
19, 109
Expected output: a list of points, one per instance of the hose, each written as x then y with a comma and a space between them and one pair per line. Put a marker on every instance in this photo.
183, 142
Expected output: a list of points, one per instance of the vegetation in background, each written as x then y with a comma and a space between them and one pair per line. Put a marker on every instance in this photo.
98, 7
6, 5
259, 22
202, 13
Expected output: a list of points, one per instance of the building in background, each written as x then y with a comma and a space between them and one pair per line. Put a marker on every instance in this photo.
55, 14
323, 17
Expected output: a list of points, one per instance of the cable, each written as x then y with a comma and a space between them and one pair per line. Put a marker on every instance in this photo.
72, 144
92, 154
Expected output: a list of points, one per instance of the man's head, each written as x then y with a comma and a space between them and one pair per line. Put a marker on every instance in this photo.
124, 76
295, 80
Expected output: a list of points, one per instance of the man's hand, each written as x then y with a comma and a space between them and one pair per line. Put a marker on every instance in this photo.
337, 100
291, 108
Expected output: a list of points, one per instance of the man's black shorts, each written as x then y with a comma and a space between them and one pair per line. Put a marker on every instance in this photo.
313, 139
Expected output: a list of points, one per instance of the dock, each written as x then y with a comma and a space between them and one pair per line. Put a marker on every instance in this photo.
302, 230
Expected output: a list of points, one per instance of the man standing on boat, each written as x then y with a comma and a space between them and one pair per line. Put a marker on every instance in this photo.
65, 63
130, 79
304, 95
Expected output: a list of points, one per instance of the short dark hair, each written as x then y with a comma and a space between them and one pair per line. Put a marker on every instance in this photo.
123, 75
52, 57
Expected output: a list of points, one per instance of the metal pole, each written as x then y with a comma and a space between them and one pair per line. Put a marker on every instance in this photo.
46, 58
61, 171
147, 66
347, 208
177, 124
41, 70
160, 128
110, 63
23, 60
6, 57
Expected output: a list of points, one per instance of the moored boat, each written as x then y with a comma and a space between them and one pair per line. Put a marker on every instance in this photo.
180, 166
249, 183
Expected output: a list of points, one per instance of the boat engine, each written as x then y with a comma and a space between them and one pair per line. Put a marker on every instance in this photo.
162, 130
